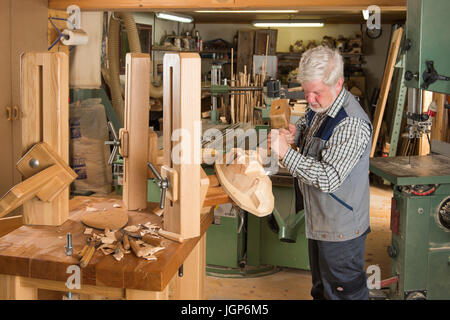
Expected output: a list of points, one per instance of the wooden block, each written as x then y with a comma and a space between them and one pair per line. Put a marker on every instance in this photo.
182, 132
26, 190
45, 106
45, 157
280, 114
136, 118
171, 235
42, 156
9, 224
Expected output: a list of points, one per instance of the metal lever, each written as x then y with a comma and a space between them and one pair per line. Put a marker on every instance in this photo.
163, 184
116, 143
431, 75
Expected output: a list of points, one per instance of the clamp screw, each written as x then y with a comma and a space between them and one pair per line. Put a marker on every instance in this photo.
69, 248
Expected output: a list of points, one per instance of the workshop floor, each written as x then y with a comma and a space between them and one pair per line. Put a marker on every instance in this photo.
293, 284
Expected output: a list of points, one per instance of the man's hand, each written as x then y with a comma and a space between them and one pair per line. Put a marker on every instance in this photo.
290, 134
279, 141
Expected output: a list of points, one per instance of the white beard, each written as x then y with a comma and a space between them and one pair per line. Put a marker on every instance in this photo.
319, 110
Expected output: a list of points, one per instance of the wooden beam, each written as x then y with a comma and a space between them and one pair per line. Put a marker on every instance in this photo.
11, 288
136, 117
117, 293
227, 4
385, 86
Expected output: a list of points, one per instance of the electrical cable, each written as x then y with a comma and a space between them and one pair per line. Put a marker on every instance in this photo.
60, 34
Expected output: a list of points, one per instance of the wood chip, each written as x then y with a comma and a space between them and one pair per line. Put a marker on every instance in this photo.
91, 209
118, 255
107, 240
150, 258
107, 249
88, 231
115, 205
131, 228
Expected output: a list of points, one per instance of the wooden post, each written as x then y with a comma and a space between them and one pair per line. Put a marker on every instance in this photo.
192, 285
136, 119
182, 149
45, 105
11, 288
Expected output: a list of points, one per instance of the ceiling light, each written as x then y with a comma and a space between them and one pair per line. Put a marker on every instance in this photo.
288, 23
365, 14
246, 11
174, 17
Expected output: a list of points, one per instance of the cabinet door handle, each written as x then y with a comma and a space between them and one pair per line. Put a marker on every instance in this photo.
16, 112
8, 113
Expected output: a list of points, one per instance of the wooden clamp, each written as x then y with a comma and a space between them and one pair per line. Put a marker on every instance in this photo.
182, 147
45, 104
134, 135
46, 176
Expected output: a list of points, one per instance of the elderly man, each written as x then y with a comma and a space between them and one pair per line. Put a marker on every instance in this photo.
331, 168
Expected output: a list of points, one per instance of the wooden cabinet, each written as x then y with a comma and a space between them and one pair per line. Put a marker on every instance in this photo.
23, 28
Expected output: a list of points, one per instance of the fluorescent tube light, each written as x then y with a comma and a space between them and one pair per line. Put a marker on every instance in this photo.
288, 23
246, 11
174, 17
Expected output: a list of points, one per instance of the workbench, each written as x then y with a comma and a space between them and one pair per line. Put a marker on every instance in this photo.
33, 257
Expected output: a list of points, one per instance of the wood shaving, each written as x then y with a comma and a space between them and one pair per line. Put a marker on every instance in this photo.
88, 231
150, 258
115, 205
131, 228
107, 249
91, 209
110, 234
118, 255
107, 240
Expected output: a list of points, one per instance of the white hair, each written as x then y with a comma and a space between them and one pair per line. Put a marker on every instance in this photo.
321, 63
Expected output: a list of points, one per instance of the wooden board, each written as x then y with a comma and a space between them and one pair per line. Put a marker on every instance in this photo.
245, 51
266, 39
45, 106
38, 252
29, 188
307, 5
136, 117
385, 86
182, 132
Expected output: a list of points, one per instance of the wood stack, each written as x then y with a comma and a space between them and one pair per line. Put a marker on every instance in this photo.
244, 102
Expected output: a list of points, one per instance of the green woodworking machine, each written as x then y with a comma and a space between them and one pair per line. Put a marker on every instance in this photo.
420, 211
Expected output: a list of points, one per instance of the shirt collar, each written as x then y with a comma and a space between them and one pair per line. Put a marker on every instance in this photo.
337, 104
